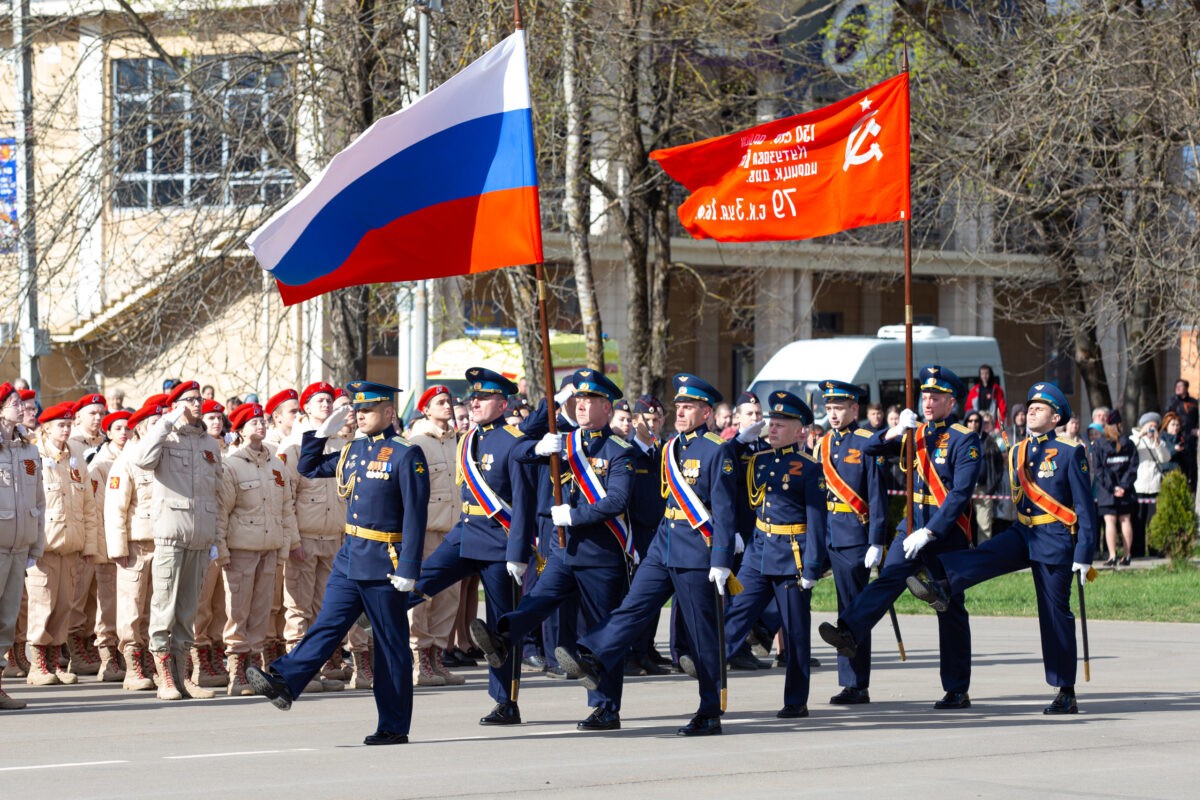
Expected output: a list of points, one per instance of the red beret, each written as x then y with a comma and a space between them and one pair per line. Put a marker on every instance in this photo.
280, 397
6, 389
211, 407
320, 387
109, 419
145, 412
429, 394
244, 413
60, 411
340, 392
26, 394
156, 400
182, 388
90, 400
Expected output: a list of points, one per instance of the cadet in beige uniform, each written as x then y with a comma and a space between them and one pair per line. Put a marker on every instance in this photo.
129, 534
18, 661
115, 427
72, 525
89, 413
208, 652
256, 531
282, 409
430, 623
22, 514
187, 467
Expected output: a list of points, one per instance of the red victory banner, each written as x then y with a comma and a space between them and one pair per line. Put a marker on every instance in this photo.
842, 166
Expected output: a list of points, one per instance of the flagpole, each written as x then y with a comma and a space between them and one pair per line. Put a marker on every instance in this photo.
909, 400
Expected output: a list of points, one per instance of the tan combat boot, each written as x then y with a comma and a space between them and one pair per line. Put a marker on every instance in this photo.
203, 673
423, 672
183, 667
165, 670
136, 679
216, 662
17, 664
435, 656
9, 703
78, 661
238, 685
41, 669
65, 676
110, 666
336, 667
363, 676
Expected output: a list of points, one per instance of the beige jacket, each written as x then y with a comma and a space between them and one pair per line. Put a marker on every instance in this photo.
72, 517
256, 505
128, 496
320, 511
22, 499
440, 450
98, 471
186, 463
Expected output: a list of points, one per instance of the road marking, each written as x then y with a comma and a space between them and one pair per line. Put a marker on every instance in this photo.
56, 766
242, 753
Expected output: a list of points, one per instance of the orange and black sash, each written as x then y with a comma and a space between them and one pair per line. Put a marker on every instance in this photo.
1036, 494
934, 481
836, 484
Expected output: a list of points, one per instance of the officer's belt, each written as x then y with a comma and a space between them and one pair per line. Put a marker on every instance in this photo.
671, 512
840, 507
1037, 519
473, 510
924, 499
373, 535
780, 530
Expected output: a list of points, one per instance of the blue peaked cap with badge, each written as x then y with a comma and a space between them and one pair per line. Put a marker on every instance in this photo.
1052, 396
939, 379
689, 387
481, 380
367, 392
786, 404
840, 390
596, 384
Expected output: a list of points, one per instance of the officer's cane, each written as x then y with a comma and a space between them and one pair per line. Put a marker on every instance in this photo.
720, 599
515, 652
1087, 666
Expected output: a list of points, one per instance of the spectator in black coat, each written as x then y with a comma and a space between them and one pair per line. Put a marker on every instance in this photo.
1116, 463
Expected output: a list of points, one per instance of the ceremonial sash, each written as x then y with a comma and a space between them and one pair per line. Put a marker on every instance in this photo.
934, 481
589, 483
1036, 494
683, 494
493, 505
836, 484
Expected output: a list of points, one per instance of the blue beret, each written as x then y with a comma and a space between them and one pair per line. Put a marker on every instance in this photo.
1052, 396
484, 381
786, 404
940, 379
591, 382
689, 387
840, 390
364, 392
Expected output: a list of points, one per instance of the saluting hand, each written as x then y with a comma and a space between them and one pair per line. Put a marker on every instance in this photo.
334, 422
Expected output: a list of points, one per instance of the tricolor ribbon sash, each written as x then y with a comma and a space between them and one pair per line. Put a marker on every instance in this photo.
589, 483
492, 504
683, 494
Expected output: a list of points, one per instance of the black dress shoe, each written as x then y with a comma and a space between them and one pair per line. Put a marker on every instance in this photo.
534, 662
745, 661
651, 668
474, 652
850, 697
271, 686
503, 714
839, 637
954, 700
601, 720
701, 726
450, 660
762, 637
461, 659
812, 662
781, 659
493, 645
792, 712
633, 667
929, 591
383, 737
688, 667
556, 672
586, 667
1064, 702
658, 658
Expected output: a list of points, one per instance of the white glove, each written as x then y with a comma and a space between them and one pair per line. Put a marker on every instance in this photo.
739, 544
751, 432
873, 557
172, 417
719, 575
1082, 569
916, 540
550, 444
636, 558
806, 584
403, 584
333, 423
908, 420
564, 394
30, 563
229, 437
212, 553
561, 515
517, 570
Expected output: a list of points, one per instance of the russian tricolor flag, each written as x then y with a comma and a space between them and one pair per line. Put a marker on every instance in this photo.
447, 186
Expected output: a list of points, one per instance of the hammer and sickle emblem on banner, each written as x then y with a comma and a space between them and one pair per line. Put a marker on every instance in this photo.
866, 126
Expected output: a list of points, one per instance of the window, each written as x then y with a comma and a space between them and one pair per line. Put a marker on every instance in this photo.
220, 135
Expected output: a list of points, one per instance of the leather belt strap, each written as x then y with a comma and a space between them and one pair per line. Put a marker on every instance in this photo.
780, 530
1037, 519
473, 510
674, 513
839, 507
373, 535
924, 499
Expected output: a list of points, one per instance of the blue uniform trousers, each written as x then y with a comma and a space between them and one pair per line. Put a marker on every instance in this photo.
1008, 552
794, 604
954, 624
595, 591
651, 587
850, 577
387, 609
445, 567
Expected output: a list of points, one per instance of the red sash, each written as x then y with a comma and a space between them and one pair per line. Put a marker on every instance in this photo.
836, 484
934, 481
1039, 496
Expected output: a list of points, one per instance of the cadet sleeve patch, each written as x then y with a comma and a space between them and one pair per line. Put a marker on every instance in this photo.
419, 467
283, 457
114, 482
278, 477
629, 467
95, 486
714, 438
972, 453
726, 465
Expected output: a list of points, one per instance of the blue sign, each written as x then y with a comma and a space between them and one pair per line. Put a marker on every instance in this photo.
9, 230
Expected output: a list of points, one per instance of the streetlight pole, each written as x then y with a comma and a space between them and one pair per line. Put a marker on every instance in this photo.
27, 248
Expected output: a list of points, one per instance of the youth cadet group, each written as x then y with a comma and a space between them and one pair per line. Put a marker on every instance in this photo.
635, 522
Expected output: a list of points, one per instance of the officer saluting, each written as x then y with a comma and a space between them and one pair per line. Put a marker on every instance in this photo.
857, 521
1053, 536
386, 483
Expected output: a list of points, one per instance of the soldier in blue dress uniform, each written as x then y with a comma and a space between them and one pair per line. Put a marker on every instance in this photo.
385, 481
494, 536
856, 523
1053, 537
594, 565
786, 554
645, 513
691, 552
947, 466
